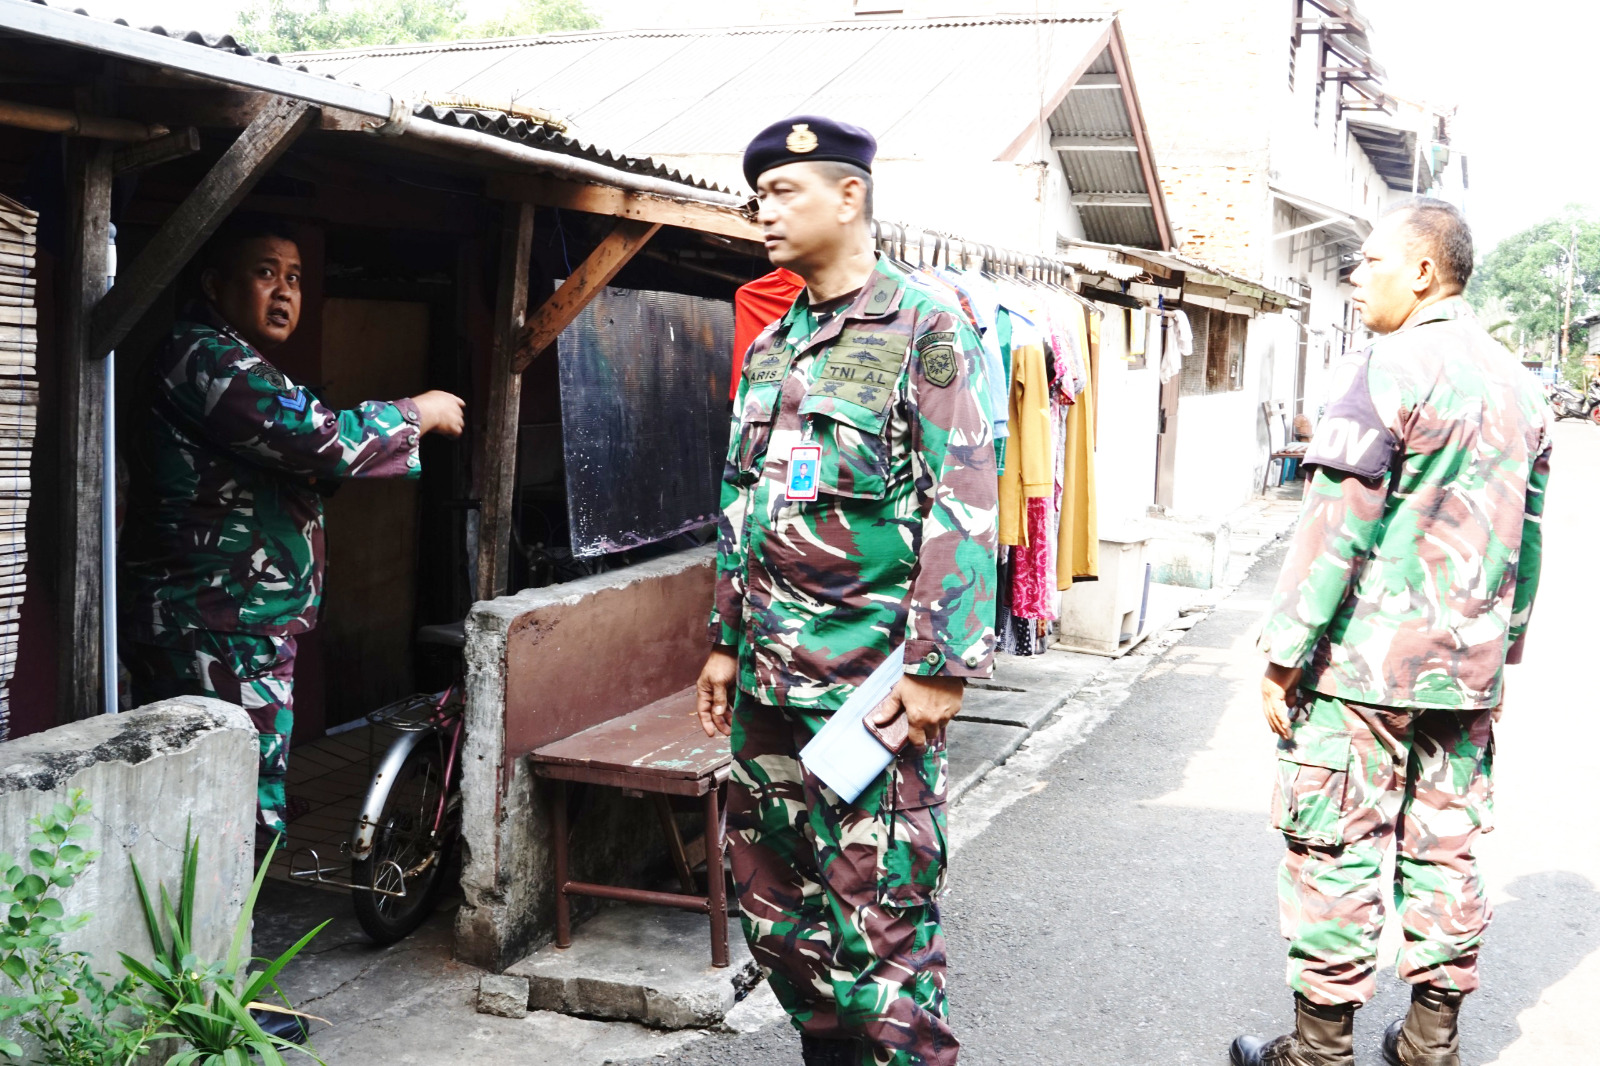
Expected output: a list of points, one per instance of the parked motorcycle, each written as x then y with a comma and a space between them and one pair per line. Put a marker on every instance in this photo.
1568, 402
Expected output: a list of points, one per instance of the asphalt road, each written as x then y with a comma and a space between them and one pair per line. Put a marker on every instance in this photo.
1123, 910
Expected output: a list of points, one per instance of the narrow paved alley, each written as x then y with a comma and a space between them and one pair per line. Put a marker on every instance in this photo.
1122, 909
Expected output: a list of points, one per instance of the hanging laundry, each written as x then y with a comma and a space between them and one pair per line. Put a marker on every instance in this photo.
756, 306
1179, 345
1029, 465
1079, 530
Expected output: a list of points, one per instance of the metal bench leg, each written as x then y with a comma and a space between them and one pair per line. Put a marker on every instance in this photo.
716, 886
563, 904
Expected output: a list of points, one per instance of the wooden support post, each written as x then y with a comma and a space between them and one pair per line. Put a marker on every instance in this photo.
624, 241
267, 137
497, 445
89, 172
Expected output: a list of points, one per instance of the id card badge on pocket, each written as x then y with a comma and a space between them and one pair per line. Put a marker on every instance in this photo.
804, 459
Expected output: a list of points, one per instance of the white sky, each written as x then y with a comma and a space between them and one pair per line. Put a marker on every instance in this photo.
1521, 75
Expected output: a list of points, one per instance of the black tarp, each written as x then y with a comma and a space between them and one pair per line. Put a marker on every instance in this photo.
644, 416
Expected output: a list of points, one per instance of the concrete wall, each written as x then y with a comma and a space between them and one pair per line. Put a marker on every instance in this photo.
543, 664
1125, 450
150, 774
1222, 436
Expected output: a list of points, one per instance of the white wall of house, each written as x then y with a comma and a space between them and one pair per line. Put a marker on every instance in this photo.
1125, 453
1222, 436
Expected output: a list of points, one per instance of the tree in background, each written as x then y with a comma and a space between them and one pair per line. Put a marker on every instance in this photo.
281, 26
1524, 280
527, 17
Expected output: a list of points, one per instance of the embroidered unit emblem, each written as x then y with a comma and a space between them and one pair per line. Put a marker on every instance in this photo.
801, 140
939, 364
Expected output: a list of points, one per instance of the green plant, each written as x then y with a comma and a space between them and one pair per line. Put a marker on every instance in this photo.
210, 1003
76, 1017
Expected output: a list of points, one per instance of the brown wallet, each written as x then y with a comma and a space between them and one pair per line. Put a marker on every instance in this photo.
893, 734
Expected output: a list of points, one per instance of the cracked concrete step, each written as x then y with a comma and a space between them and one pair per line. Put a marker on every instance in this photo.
644, 964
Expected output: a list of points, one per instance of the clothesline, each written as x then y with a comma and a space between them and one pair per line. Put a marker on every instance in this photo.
926, 249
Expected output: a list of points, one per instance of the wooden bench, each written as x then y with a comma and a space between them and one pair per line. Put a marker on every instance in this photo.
658, 750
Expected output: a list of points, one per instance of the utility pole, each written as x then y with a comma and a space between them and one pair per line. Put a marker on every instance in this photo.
1566, 316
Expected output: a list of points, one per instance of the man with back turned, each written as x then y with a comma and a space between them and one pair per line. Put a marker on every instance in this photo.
1407, 590
819, 577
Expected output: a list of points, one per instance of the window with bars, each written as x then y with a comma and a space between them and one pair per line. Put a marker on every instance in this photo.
1217, 362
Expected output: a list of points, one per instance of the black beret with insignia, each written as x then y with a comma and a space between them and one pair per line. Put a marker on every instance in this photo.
806, 138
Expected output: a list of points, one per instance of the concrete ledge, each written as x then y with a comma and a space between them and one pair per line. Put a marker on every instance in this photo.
1191, 552
150, 775
644, 964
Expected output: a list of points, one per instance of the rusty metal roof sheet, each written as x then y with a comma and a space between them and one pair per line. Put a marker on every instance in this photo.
709, 90
484, 120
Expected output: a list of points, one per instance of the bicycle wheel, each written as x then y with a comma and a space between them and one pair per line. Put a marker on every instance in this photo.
406, 853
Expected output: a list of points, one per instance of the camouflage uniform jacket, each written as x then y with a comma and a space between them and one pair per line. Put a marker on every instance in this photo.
224, 527
899, 545
1413, 571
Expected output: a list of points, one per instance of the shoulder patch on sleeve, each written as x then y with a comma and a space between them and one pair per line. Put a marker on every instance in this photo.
939, 363
1352, 436
269, 374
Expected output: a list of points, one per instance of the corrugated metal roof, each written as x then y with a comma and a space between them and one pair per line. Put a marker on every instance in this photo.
433, 67
709, 90
705, 92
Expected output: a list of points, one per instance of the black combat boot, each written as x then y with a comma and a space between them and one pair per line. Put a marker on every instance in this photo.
1323, 1036
1427, 1036
814, 1051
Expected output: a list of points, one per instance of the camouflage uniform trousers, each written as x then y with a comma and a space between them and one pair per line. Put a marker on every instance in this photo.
254, 672
839, 899
1355, 781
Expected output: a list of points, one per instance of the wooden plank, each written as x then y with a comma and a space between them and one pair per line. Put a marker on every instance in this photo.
89, 173
1066, 142
1111, 199
497, 445
230, 180
663, 739
619, 203
174, 145
624, 241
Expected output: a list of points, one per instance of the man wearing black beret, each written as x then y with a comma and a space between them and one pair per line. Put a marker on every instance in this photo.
859, 522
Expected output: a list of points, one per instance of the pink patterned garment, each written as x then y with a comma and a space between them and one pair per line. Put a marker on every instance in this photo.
1032, 581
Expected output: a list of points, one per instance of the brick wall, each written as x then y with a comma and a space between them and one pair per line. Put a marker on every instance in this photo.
1218, 213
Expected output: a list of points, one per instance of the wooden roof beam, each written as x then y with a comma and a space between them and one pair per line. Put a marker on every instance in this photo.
196, 219
624, 241
1111, 199
621, 203
1064, 142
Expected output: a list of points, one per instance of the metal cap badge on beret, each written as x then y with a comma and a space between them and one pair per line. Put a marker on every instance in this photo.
810, 138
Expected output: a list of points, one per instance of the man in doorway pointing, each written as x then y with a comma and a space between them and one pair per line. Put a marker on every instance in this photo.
222, 550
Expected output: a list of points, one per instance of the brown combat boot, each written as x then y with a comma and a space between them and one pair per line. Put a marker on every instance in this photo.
1427, 1036
1323, 1036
